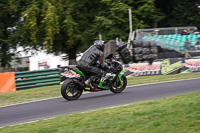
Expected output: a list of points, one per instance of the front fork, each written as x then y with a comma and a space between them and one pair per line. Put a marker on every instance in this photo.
118, 75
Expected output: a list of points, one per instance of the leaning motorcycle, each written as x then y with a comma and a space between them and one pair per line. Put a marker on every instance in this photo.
114, 80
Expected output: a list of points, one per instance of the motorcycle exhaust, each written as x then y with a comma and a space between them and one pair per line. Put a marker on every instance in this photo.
81, 85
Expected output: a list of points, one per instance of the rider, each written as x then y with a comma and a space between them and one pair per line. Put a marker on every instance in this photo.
88, 62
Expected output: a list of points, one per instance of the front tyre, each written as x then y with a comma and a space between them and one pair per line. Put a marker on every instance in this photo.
70, 90
118, 85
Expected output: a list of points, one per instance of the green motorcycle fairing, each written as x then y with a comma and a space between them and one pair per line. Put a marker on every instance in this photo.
102, 79
79, 72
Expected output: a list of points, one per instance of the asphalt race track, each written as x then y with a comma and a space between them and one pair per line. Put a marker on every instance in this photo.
26, 112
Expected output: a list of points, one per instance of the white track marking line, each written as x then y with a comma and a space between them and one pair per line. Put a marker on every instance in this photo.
56, 116
162, 82
26, 122
33, 101
29, 102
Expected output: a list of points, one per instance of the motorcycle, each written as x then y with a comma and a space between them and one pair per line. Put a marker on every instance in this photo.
114, 80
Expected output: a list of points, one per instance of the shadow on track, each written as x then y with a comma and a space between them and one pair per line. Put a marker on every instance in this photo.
93, 96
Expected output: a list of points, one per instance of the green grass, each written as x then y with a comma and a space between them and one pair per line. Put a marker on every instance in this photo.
178, 114
54, 91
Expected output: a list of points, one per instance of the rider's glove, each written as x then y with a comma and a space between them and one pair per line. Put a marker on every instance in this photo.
105, 66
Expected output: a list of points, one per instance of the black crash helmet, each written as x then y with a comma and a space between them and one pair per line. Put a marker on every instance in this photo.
99, 44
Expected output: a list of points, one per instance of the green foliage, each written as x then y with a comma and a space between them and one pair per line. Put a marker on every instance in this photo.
68, 26
147, 12
112, 20
179, 12
9, 17
71, 26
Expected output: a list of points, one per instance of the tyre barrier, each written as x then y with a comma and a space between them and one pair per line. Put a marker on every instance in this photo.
144, 50
141, 51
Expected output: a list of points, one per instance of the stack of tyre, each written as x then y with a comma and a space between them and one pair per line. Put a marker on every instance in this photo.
124, 53
144, 50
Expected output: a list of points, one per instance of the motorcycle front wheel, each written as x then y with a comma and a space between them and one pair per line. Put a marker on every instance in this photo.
118, 85
70, 90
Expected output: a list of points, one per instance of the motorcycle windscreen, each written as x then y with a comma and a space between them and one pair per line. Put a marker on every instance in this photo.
109, 48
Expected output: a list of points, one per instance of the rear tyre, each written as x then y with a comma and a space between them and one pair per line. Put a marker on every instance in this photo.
118, 86
70, 90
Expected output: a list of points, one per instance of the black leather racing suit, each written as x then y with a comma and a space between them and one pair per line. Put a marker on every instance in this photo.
87, 63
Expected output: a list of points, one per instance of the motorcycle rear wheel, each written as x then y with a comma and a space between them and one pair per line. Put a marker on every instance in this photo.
70, 90
118, 86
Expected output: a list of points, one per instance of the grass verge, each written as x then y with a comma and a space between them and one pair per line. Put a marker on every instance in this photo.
177, 114
54, 91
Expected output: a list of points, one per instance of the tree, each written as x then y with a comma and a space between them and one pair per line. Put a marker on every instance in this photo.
9, 19
54, 25
70, 26
179, 12
148, 13
112, 19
